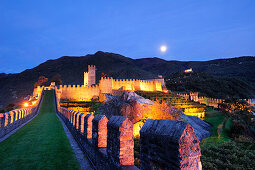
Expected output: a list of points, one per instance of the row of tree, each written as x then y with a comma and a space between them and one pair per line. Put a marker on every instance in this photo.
43, 81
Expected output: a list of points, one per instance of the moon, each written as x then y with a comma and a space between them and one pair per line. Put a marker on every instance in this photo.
163, 48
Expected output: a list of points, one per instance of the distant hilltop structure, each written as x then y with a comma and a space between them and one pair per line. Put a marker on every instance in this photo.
90, 76
188, 70
90, 90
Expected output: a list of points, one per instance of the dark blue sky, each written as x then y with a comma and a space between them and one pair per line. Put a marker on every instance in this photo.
33, 31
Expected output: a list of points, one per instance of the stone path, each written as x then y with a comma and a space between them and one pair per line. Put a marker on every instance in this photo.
40, 144
84, 162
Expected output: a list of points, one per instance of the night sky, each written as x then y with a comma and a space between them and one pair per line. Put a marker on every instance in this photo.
33, 31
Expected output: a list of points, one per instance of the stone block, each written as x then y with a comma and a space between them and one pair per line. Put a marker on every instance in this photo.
120, 140
76, 120
99, 131
88, 126
7, 119
2, 122
12, 114
169, 144
81, 122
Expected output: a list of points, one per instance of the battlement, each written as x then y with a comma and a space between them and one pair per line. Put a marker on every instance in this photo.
90, 90
78, 86
15, 118
106, 78
107, 84
91, 67
78, 92
110, 143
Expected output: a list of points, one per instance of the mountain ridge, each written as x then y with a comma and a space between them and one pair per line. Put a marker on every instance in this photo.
14, 87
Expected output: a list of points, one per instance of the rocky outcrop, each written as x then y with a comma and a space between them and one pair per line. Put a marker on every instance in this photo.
139, 109
129, 104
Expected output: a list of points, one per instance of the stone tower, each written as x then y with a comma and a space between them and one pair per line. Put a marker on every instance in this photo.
90, 76
86, 78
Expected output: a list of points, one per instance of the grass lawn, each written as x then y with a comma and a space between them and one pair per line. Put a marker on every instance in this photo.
216, 118
40, 144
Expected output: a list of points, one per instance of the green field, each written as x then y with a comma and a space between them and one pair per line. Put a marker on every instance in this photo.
40, 144
216, 118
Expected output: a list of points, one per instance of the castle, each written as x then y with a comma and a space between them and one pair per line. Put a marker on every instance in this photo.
90, 76
90, 89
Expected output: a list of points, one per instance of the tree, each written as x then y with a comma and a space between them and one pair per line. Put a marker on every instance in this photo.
10, 106
42, 81
235, 105
57, 79
242, 115
103, 75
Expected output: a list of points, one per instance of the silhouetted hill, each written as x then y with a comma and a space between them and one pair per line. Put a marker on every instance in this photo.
4, 75
209, 85
242, 67
16, 86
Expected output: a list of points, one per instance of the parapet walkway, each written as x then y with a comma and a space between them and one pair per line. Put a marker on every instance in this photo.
40, 144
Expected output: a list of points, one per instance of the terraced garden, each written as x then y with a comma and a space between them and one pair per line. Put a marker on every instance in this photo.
187, 106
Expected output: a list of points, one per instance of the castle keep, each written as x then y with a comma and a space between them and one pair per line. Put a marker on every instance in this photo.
90, 76
106, 85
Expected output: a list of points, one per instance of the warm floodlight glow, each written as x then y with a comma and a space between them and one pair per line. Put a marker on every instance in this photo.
26, 104
188, 70
163, 48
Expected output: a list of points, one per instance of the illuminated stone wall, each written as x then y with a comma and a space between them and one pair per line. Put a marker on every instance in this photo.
86, 78
108, 84
201, 99
38, 90
105, 85
80, 93
15, 118
164, 144
91, 75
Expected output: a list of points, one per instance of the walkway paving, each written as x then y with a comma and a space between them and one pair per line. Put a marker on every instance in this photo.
40, 144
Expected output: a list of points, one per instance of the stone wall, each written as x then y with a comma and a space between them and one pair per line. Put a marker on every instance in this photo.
214, 102
77, 92
109, 144
91, 75
13, 119
201, 99
164, 144
169, 145
108, 84
86, 79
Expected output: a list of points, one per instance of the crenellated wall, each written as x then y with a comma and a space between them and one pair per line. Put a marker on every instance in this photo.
108, 84
109, 143
169, 145
13, 119
37, 91
207, 100
201, 99
79, 92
